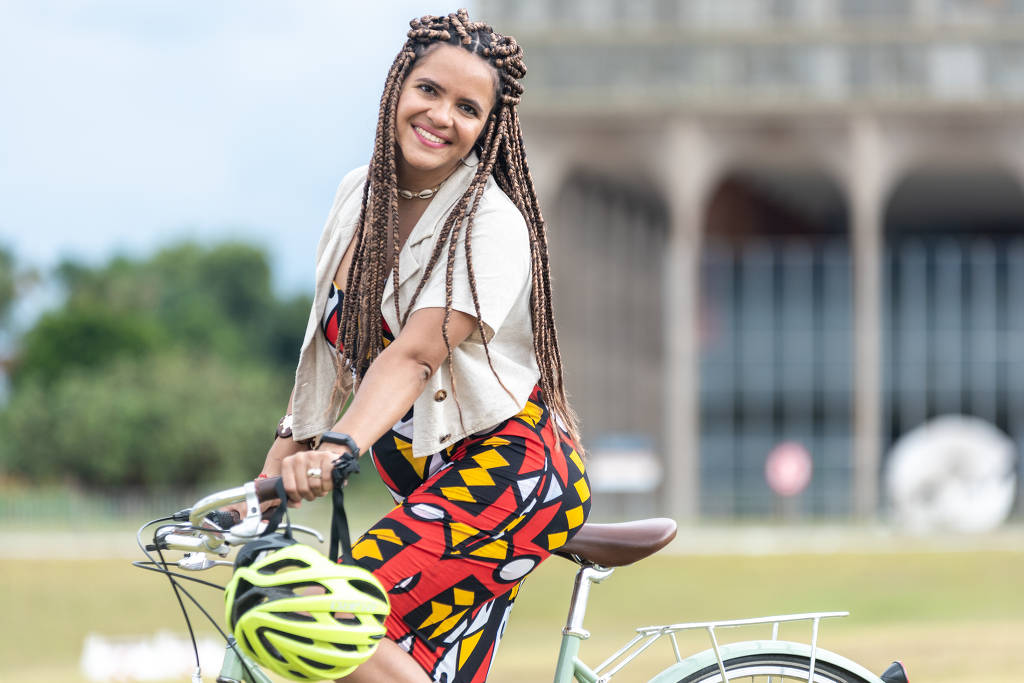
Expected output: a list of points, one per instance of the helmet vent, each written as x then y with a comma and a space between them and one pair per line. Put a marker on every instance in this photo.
271, 650
315, 664
345, 647
245, 599
299, 588
245, 638
287, 564
369, 589
290, 635
248, 596
295, 616
274, 652
347, 619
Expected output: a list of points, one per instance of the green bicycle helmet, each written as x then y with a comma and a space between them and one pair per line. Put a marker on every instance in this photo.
304, 637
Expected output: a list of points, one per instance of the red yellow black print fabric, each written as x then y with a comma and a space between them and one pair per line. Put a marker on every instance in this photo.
473, 521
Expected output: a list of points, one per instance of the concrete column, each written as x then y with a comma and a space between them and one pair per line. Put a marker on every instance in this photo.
868, 182
686, 170
549, 162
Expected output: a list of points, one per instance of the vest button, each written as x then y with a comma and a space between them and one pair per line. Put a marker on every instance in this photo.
440, 395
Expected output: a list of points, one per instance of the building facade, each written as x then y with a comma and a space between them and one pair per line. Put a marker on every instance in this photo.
780, 221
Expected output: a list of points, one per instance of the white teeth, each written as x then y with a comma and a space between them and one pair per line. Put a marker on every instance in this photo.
428, 136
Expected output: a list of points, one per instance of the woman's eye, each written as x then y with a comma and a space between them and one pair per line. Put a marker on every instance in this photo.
468, 109
427, 88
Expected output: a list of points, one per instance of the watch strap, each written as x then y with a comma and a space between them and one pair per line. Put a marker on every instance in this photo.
342, 440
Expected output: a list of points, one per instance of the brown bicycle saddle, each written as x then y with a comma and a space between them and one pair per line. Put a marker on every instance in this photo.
615, 545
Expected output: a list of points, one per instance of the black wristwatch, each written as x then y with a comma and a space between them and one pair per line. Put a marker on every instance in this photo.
342, 440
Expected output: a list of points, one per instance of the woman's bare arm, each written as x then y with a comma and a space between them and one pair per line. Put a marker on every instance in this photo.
280, 448
391, 385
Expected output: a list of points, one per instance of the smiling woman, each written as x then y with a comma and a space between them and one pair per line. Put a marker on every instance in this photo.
432, 315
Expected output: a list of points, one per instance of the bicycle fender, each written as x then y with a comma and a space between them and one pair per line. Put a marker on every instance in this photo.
706, 658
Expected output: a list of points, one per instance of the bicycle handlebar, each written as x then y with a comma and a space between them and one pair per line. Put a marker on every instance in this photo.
209, 528
253, 493
266, 491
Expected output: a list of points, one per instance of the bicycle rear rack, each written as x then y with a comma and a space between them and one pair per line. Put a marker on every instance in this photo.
647, 635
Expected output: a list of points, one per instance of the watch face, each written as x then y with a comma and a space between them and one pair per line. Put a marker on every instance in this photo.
284, 427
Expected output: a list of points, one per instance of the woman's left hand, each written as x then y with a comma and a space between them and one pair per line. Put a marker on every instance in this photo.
306, 475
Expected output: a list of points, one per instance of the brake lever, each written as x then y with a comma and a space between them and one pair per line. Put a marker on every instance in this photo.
199, 561
249, 528
308, 530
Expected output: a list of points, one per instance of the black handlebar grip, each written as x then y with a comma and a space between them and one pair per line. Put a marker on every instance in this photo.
225, 519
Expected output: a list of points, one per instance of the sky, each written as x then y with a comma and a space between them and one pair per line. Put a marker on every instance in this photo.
128, 125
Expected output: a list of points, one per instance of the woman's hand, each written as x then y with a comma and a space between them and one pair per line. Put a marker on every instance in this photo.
306, 475
241, 509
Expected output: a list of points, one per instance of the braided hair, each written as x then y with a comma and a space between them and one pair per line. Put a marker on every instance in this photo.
502, 155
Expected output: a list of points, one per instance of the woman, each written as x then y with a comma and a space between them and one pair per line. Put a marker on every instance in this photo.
432, 312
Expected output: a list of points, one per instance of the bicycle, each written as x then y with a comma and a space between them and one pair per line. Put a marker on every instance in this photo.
204, 529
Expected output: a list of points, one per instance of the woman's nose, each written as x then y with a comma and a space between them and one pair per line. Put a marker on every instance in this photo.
441, 114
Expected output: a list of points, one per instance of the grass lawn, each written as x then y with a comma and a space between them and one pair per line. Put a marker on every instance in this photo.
951, 616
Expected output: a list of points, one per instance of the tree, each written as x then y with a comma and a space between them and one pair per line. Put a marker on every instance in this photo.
215, 300
82, 335
155, 421
14, 281
161, 370
8, 281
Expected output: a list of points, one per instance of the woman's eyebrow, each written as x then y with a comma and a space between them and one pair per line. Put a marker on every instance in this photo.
440, 88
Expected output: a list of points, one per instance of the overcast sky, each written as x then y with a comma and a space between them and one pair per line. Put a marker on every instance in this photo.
128, 124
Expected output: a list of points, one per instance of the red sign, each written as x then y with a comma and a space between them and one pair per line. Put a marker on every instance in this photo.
788, 468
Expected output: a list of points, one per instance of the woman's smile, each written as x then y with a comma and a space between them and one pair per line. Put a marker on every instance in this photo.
430, 138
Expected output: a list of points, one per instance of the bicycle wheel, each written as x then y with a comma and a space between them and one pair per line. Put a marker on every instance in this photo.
773, 668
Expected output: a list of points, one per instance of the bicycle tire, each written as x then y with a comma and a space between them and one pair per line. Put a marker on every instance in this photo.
771, 668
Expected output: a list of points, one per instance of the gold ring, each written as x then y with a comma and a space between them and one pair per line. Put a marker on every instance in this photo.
314, 473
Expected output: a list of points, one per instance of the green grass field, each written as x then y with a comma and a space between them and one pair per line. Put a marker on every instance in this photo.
951, 616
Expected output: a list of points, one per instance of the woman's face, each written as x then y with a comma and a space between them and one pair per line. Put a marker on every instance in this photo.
442, 109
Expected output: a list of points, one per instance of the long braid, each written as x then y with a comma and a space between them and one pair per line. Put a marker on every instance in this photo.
502, 157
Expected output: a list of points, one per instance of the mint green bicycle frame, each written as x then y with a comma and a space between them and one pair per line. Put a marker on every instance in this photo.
237, 664
570, 667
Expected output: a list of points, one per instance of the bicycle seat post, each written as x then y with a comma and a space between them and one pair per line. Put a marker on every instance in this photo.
574, 634
587, 575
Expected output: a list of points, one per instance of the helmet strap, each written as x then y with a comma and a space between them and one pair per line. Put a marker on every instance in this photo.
279, 513
341, 542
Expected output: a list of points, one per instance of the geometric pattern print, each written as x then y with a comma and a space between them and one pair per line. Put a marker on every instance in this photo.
454, 554
575, 502
332, 314
383, 543
403, 473
442, 617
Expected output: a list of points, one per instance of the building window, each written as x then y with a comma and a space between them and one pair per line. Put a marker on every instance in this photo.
956, 71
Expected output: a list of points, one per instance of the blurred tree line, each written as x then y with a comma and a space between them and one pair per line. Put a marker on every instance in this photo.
154, 372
